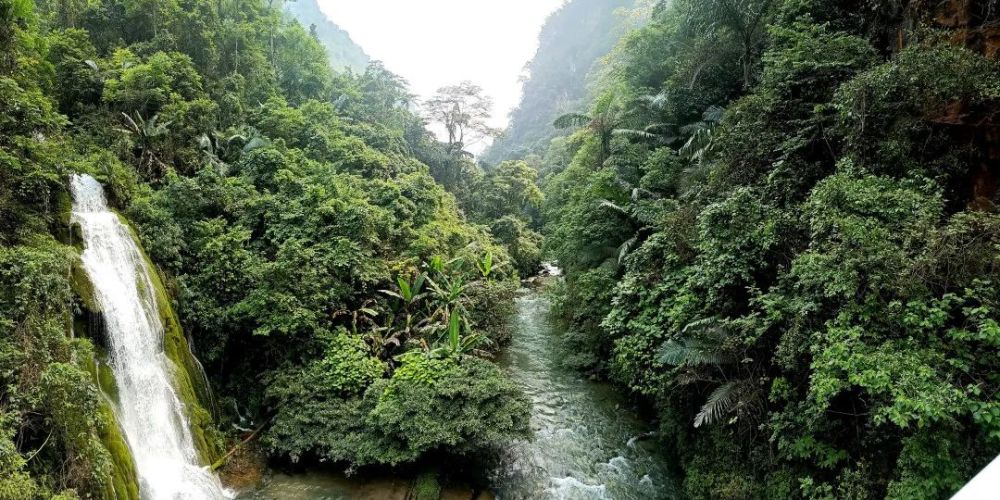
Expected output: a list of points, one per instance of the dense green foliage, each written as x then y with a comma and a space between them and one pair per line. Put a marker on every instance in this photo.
310, 232
777, 220
774, 228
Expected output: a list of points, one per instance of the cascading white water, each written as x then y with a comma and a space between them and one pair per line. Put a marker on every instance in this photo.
152, 416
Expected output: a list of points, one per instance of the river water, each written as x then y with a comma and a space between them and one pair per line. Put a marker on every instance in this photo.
589, 443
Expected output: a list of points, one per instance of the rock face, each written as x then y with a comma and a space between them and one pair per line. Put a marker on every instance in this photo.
974, 24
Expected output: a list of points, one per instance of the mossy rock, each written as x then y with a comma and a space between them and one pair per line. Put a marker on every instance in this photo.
83, 288
426, 487
65, 231
88, 318
124, 480
189, 379
100, 372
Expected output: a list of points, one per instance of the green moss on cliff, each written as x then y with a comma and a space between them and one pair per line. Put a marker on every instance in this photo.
84, 289
65, 231
124, 480
123, 483
189, 381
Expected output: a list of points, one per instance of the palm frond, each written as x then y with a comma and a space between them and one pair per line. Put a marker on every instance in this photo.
640, 134
699, 144
205, 143
235, 137
714, 114
711, 327
626, 248
657, 101
721, 402
690, 352
131, 124
571, 120
610, 205
256, 143
638, 193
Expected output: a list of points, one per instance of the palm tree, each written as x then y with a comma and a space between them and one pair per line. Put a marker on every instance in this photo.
745, 19
602, 123
653, 106
700, 147
145, 134
701, 350
701, 138
635, 217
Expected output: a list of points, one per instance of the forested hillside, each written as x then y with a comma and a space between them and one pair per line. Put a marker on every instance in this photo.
340, 48
778, 223
571, 42
342, 304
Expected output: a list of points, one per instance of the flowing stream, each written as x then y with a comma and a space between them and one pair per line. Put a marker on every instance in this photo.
152, 416
589, 443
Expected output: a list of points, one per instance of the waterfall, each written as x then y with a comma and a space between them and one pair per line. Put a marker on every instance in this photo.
151, 414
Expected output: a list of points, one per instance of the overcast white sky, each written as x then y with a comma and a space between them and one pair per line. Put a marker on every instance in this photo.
433, 43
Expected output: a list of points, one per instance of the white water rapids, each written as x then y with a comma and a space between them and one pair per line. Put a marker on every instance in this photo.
151, 415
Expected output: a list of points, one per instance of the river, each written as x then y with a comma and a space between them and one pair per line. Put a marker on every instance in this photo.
588, 440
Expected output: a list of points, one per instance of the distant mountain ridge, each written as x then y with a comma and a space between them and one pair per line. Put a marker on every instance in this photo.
572, 40
343, 52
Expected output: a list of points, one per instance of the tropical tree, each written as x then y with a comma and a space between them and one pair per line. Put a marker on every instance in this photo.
608, 116
12, 13
701, 135
464, 111
145, 136
744, 20
701, 355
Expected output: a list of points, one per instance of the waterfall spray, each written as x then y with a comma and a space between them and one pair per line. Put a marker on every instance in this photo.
149, 410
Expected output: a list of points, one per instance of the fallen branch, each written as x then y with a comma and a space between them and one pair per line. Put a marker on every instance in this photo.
222, 461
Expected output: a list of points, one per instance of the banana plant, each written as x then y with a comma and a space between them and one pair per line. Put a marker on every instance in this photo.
145, 135
402, 327
485, 266
458, 345
446, 290
409, 292
431, 306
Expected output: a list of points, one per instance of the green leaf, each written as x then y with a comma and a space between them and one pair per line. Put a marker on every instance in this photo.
454, 330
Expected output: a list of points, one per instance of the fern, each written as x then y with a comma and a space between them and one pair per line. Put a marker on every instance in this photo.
721, 402
704, 350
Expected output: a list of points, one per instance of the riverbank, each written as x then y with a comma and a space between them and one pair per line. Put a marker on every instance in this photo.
589, 442
329, 486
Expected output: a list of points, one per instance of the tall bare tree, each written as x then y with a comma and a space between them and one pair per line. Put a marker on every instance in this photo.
464, 111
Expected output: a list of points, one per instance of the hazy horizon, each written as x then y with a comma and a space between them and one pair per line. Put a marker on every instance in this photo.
434, 43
